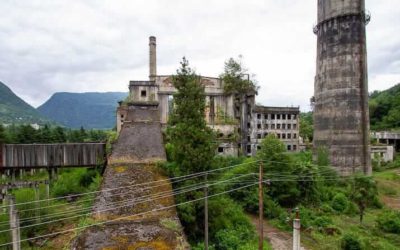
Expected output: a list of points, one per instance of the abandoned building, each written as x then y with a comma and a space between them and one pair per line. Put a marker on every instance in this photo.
239, 123
341, 119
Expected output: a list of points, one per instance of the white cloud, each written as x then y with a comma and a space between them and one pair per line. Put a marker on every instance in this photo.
76, 46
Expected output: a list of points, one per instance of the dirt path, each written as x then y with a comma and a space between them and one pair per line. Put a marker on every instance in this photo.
278, 239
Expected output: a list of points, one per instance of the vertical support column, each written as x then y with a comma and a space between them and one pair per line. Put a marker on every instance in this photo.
47, 183
37, 204
296, 231
13, 175
261, 209
206, 214
14, 226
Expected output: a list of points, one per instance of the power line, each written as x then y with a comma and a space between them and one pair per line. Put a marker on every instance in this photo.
126, 217
135, 185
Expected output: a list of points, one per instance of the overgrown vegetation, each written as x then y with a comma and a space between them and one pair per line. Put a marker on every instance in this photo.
384, 109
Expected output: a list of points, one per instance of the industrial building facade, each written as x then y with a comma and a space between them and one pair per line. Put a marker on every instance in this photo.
240, 125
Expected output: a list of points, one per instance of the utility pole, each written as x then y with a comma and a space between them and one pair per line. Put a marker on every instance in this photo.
14, 224
206, 214
261, 209
296, 231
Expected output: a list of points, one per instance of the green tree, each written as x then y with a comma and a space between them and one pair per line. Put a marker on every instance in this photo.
192, 142
236, 78
2, 134
306, 126
364, 193
59, 134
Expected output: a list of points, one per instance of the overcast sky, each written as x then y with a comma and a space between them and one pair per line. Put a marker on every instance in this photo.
93, 45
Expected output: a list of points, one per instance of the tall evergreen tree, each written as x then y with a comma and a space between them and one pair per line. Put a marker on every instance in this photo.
192, 141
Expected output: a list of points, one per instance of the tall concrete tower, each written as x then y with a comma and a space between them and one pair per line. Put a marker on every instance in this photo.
153, 58
341, 119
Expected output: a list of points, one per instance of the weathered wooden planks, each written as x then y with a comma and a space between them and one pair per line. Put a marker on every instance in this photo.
52, 155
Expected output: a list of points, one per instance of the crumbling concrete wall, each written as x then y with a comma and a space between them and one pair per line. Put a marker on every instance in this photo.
341, 120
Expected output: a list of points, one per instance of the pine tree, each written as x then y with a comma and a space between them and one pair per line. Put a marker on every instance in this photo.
193, 146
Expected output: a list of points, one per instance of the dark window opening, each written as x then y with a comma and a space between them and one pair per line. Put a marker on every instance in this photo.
294, 117
278, 116
294, 147
258, 147
283, 126
273, 116
259, 126
289, 126
220, 149
289, 147
289, 136
143, 93
294, 126
249, 149
266, 116
294, 136
272, 126
283, 117
258, 116
248, 125
289, 117
279, 136
283, 136
248, 138
258, 136
266, 126
278, 126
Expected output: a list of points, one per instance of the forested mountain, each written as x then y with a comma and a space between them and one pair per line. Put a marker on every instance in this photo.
384, 109
14, 110
88, 110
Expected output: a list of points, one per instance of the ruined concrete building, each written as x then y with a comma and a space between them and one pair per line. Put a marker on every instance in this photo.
341, 120
239, 123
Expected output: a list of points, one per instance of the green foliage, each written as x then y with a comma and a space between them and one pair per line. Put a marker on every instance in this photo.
192, 142
306, 126
74, 181
236, 78
350, 242
322, 156
364, 193
384, 109
389, 221
340, 202
2, 134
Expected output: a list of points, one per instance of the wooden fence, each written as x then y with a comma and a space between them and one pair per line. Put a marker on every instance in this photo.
52, 155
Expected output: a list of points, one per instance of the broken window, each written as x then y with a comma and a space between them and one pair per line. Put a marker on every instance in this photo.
143, 93
266, 116
289, 126
248, 125
278, 116
272, 116
294, 147
266, 126
220, 149
289, 136
289, 147
283, 136
294, 136
278, 126
272, 126
258, 136
289, 116
283, 117
294, 126
258, 147
283, 126
249, 149
259, 126
248, 138
279, 136
265, 135
258, 116
294, 117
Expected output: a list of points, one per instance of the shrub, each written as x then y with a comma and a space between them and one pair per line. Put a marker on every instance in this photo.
340, 202
350, 242
351, 209
323, 221
326, 208
389, 221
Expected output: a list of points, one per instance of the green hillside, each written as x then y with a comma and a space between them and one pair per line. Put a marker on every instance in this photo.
90, 110
384, 109
13, 110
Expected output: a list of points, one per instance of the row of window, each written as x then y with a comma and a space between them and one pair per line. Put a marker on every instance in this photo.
277, 116
288, 147
276, 126
278, 135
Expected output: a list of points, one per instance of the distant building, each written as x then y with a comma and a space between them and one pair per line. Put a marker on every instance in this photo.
239, 123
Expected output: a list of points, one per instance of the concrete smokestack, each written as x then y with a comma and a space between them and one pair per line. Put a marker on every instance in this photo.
341, 120
153, 58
